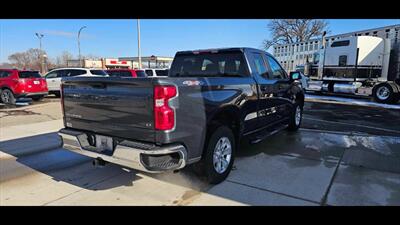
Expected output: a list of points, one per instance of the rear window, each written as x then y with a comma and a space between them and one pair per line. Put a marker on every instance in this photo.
119, 73
29, 74
209, 64
98, 72
149, 73
140, 73
162, 72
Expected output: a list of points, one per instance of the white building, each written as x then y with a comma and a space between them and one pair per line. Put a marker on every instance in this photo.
296, 54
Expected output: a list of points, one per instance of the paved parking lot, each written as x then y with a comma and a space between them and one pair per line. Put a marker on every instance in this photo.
343, 155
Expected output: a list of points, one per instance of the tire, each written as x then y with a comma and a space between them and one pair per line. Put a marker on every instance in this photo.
57, 94
212, 167
296, 118
7, 97
37, 98
383, 93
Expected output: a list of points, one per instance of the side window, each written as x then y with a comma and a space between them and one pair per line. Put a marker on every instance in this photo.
76, 72
277, 71
260, 64
4, 74
149, 73
52, 74
61, 73
343, 60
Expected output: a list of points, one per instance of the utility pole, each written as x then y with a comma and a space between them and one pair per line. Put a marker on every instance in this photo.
40, 36
139, 56
79, 45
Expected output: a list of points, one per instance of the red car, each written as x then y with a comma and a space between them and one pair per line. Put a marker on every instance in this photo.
21, 83
126, 73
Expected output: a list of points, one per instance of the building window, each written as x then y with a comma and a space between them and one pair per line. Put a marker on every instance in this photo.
306, 47
301, 47
343, 60
340, 43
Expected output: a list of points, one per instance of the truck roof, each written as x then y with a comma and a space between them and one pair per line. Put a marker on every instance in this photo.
215, 50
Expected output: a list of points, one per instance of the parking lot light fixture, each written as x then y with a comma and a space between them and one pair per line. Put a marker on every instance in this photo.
79, 45
40, 36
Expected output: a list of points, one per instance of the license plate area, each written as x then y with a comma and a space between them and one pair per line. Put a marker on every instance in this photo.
36, 82
98, 143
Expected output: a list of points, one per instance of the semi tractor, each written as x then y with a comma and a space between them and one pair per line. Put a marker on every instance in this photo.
357, 65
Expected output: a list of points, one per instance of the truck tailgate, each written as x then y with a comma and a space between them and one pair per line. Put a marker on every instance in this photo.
118, 107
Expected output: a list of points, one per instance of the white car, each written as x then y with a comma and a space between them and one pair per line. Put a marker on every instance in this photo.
156, 72
53, 78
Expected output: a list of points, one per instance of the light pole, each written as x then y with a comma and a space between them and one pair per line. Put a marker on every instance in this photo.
79, 45
40, 36
139, 56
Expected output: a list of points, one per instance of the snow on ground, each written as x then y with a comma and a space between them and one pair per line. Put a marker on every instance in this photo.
349, 101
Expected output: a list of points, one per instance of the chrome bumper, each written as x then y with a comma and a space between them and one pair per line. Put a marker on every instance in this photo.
126, 153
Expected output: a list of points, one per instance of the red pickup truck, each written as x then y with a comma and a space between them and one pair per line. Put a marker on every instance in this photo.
21, 83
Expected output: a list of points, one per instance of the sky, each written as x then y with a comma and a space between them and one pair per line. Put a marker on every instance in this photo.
112, 38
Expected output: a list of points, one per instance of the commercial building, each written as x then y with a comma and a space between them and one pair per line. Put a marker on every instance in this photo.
123, 62
150, 61
295, 55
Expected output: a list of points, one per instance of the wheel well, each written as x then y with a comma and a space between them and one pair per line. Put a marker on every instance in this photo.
300, 99
229, 118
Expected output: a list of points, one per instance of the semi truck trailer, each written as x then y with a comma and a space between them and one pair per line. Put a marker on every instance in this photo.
357, 65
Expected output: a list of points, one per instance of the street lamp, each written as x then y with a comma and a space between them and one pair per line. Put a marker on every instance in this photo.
79, 45
139, 56
40, 36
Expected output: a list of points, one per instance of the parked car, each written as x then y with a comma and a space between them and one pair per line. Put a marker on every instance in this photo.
211, 101
157, 72
15, 84
54, 77
126, 73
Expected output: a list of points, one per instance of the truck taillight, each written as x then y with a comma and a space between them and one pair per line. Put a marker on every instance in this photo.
164, 115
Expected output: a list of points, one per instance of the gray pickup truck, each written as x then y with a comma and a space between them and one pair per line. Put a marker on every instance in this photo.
211, 101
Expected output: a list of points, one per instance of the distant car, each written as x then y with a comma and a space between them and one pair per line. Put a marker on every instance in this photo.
126, 73
157, 72
15, 84
54, 77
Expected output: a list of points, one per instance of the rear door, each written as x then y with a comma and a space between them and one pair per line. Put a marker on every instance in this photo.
267, 89
281, 91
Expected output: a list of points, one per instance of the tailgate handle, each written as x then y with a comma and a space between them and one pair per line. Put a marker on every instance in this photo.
98, 85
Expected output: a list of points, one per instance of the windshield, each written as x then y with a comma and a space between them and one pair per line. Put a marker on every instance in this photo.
29, 74
98, 72
209, 64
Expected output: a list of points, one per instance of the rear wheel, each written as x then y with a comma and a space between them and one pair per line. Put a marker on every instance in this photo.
7, 97
383, 93
296, 117
218, 156
57, 94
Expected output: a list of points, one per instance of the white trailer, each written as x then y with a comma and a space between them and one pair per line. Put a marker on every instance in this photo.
357, 65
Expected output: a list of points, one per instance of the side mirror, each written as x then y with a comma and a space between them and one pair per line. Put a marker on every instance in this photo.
295, 75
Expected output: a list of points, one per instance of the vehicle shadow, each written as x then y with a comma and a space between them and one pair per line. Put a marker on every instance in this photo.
43, 153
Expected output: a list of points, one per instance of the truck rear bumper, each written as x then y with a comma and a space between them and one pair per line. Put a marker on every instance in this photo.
135, 155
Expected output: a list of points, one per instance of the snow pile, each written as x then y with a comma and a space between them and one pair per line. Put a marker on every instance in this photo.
349, 101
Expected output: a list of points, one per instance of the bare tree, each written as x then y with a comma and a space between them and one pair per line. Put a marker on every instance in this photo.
62, 60
29, 59
286, 31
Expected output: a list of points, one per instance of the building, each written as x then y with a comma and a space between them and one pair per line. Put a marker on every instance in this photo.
295, 55
103, 63
150, 61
